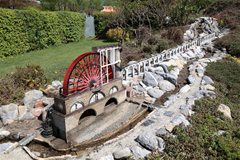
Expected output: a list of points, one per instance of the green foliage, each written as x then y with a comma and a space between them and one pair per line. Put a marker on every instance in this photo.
13, 86
201, 140
117, 34
102, 21
25, 30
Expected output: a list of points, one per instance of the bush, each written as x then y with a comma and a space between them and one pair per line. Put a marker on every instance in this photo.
13, 86
117, 34
101, 21
26, 30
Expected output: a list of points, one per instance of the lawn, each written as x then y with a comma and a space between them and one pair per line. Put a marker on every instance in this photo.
54, 60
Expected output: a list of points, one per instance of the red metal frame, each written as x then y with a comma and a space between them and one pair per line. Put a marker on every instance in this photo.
84, 74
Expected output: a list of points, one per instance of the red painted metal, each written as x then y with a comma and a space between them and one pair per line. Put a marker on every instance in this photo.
85, 73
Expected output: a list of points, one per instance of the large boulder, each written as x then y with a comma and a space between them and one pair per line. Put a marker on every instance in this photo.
180, 119
164, 67
161, 132
31, 97
225, 110
171, 78
185, 89
139, 153
207, 80
9, 113
149, 79
155, 93
122, 154
151, 142
166, 86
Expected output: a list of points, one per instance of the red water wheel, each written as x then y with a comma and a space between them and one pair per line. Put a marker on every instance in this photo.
85, 73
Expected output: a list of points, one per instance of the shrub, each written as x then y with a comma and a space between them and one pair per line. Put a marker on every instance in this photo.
117, 34
101, 21
148, 49
13, 86
27, 30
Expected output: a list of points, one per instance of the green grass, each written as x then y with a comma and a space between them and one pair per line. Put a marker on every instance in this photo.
54, 60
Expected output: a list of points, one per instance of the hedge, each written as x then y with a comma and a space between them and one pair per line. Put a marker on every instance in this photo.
26, 30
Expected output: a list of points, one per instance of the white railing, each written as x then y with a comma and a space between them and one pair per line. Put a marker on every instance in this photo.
141, 66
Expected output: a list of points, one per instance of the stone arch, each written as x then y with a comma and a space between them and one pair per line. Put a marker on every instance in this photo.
111, 102
88, 113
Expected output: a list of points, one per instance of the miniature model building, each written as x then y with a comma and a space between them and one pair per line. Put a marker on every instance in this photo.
92, 84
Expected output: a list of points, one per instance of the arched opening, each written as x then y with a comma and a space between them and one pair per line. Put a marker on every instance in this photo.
88, 113
111, 102
87, 118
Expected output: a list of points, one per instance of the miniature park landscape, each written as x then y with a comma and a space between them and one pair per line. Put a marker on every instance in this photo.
160, 80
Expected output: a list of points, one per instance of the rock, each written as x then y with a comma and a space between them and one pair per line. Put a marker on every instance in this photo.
139, 152
37, 112
56, 85
148, 122
39, 104
149, 79
31, 97
148, 140
164, 67
225, 110
180, 119
5, 146
22, 110
139, 88
207, 87
175, 72
161, 132
47, 101
169, 127
168, 113
9, 113
51, 91
207, 80
171, 78
161, 144
185, 89
122, 154
28, 116
200, 70
155, 93
185, 110
191, 79
108, 157
3, 133
166, 86
159, 70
